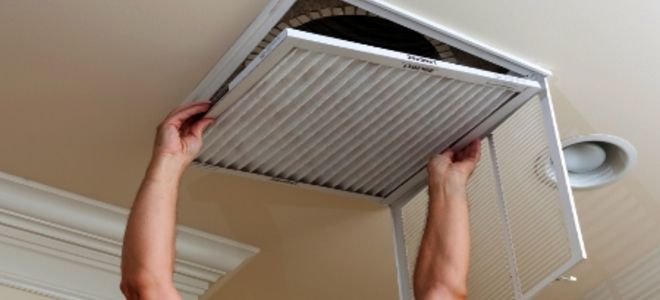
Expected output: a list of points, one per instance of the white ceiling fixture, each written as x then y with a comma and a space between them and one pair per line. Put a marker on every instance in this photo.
584, 157
354, 96
598, 159
65, 246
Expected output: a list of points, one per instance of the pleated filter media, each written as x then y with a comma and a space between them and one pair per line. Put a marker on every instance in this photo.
519, 230
345, 116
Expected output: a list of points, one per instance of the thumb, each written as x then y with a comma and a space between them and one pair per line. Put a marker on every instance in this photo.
448, 154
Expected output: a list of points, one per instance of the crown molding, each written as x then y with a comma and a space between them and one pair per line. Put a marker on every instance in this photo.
66, 246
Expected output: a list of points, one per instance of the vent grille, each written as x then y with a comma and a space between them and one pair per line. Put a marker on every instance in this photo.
538, 229
489, 276
490, 271
519, 234
346, 116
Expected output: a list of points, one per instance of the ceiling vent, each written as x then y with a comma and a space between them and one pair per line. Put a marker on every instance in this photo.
596, 160
353, 97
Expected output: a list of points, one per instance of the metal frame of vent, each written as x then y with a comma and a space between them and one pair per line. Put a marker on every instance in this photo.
272, 14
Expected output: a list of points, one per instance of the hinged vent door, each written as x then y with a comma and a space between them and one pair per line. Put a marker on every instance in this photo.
523, 225
323, 112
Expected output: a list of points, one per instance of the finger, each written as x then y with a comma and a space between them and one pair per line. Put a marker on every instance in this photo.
186, 105
463, 153
449, 153
466, 153
182, 108
441, 161
198, 128
477, 150
471, 150
180, 117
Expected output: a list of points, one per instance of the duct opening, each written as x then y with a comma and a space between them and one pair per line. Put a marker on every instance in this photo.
338, 19
358, 25
373, 31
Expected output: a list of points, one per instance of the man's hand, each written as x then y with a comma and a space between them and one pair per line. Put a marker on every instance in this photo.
451, 170
442, 262
179, 136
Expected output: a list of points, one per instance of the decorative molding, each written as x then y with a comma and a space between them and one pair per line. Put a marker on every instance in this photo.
66, 246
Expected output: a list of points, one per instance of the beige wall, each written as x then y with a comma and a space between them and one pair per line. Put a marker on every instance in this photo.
15, 294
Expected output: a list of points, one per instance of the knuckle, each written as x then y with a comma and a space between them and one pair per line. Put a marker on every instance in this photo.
162, 125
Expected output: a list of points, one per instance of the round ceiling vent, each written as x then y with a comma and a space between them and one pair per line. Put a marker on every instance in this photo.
596, 160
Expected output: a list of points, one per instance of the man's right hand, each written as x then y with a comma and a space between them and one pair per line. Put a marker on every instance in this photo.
179, 136
451, 170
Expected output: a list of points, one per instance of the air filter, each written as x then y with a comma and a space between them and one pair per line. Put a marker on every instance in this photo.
330, 113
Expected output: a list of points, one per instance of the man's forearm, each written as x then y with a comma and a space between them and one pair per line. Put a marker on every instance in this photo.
444, 254
149, 240
442, 265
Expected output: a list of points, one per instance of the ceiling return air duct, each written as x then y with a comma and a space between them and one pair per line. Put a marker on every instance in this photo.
353, 97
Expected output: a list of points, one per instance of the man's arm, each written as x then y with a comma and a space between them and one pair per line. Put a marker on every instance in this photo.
442, 263
149, 241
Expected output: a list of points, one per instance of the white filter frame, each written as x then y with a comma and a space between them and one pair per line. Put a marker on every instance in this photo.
291, 39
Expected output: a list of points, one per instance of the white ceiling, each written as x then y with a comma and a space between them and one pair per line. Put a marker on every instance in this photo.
85, 81
17, 294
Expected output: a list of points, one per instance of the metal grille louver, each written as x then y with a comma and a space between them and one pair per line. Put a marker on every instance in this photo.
523, 236
535, 213
489, 276
345, 116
